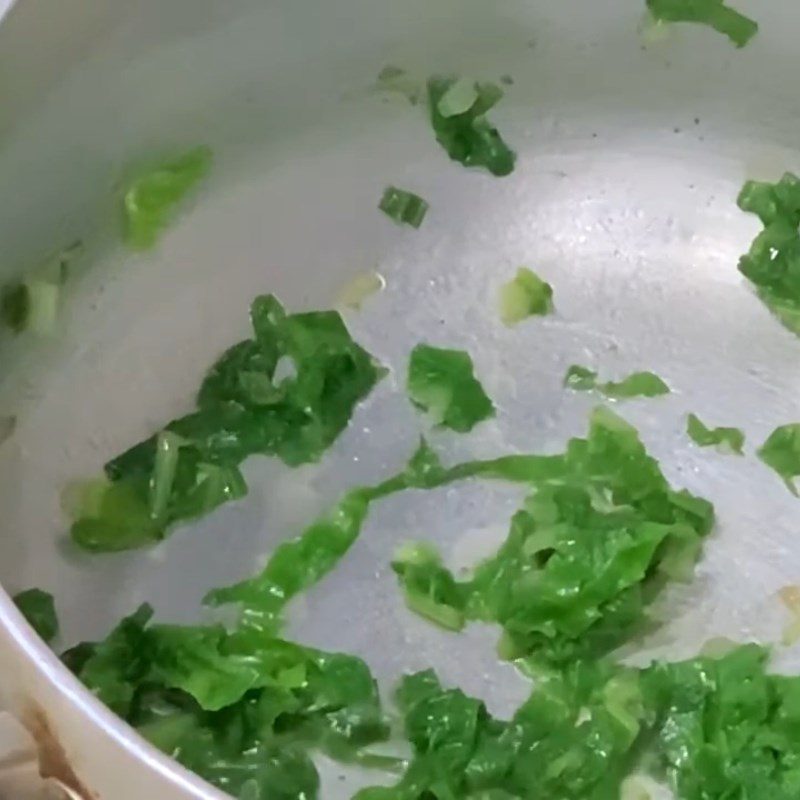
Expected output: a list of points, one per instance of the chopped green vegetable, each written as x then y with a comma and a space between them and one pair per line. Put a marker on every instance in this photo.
402, 206
724, 727
585, 555
244, 407
773, 261
298, 564
240, 709
781, 451
458, 115
430, 589
728, 438
574, 738
151, 201
714, 13
637, 384
525, 296
38, 608
442, 383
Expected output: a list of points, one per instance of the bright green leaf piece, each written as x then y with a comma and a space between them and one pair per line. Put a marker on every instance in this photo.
731, 439
429, 588
443, 384
724, 727
38, 608
152, 200
637, 384
525, 296
773, 261
243, 710
404, 207
458, 115
289, 392
593, 544
573, 738
714, 13
781, 452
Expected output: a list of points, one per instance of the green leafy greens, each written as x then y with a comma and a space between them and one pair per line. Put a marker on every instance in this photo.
240, 709
714, 728
38, 608
584, 557
731, 439
458, 115
442, 383
573, 738
289, 391
725, 728
525, 296
714, 13
781, 451
637, 384
773, 261
151, 201
403, 206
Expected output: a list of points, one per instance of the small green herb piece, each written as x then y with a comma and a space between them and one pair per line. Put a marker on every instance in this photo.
781, 452
151, 201
772, 261
637, 384
241, 709
527, 295
442, 383
289, 392
714, 13
430, 589
728, 438
458, 115
38, 608
404, 207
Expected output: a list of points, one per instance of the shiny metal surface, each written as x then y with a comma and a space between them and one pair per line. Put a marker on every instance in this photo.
631, 154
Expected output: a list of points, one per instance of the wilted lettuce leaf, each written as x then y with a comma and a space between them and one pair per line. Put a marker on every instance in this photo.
773, 261
289, 391
729, 438
458, 115
151, 201
430, 589
637, 384
725, 728
574, 738
525, 296
241, 709
714, 13
442, 383
38, 608
781, 451
584, 557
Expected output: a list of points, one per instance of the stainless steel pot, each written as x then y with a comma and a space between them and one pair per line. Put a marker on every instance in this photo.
632, 148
